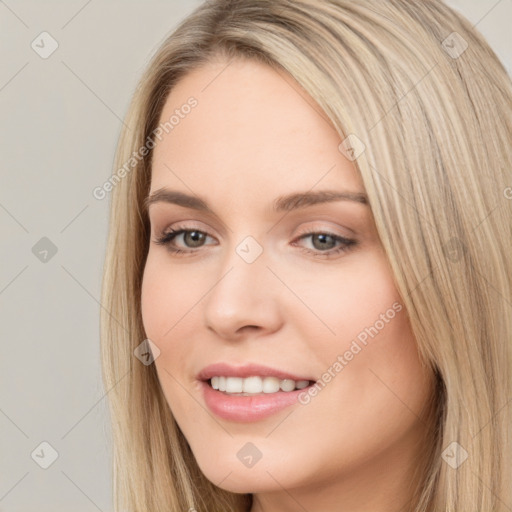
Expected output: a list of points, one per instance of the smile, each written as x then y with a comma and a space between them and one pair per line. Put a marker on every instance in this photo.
255, 385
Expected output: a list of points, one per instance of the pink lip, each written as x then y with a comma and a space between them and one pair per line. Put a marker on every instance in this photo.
247, 408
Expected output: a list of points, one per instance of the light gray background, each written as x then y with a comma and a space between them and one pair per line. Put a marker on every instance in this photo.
60, 120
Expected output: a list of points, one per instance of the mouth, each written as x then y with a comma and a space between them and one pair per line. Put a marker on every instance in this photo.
255, 385
250, 393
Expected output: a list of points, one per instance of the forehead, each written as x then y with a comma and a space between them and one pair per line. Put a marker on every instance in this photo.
253, 128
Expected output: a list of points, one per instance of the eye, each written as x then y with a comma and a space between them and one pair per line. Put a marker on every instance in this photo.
193, 238
324, 243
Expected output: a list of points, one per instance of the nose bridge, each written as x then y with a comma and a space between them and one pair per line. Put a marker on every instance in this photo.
242, 276
241, 295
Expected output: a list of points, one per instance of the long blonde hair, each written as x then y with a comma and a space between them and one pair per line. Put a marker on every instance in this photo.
429, 108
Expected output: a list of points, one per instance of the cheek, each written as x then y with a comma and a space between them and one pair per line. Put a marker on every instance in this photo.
171, 309
347, 302
155, 298
372, 357
164, 305
165, 298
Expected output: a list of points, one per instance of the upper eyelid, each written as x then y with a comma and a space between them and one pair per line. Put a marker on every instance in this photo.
312, 230
178, 225
154, 219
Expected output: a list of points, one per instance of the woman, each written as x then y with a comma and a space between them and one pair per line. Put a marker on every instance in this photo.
307, 289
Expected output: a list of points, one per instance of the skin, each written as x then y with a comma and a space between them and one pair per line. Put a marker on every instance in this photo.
256, 135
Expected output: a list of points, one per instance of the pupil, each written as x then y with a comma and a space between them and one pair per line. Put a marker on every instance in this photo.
195, 237
322, 238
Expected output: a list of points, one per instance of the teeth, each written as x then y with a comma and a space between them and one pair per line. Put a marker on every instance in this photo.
252, 385
256, 385
270, 384
287, 385
234, 384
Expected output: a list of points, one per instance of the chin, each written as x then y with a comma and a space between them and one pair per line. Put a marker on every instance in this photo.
245, 482
234, 477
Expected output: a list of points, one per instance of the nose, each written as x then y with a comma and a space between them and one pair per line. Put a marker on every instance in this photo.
243, 299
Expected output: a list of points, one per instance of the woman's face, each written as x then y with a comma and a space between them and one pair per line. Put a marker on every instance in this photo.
298, 285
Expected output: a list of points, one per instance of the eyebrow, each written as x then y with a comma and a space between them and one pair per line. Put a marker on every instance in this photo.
286, 203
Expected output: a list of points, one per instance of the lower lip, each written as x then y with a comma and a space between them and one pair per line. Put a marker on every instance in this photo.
248, 408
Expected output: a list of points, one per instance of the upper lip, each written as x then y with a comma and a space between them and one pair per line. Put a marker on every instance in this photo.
246, 370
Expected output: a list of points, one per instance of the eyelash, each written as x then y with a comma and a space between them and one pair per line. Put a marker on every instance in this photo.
347, 243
